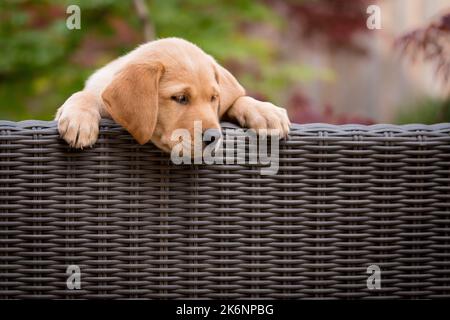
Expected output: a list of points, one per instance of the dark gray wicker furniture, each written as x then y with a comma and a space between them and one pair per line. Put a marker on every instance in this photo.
345, 197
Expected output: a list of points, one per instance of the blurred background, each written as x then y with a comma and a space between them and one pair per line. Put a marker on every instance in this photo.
316, 58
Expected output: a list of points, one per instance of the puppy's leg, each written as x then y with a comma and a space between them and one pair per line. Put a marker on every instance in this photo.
255, 114
249, 112
78, 119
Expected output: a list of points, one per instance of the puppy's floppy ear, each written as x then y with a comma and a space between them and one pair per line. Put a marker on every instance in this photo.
230, 88
132, 99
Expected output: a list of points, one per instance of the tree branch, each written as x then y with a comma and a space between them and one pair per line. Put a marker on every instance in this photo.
144, 16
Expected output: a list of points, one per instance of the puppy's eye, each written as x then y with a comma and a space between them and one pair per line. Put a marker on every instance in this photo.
213, 98
181, 99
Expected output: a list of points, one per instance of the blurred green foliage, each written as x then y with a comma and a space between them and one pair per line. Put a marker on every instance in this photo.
42, 62
427, 111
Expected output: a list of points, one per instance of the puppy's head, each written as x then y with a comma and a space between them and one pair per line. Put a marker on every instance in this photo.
167, 85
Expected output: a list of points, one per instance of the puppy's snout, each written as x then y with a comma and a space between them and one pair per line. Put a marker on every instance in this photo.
212, 137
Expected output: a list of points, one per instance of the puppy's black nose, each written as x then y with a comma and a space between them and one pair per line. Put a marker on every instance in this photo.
212, 136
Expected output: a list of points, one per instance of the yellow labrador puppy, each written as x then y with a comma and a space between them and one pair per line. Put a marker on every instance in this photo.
159, 87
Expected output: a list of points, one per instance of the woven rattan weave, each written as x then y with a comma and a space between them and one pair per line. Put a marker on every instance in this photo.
345, 197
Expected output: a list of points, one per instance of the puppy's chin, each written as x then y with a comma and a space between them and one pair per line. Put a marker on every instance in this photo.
196, 152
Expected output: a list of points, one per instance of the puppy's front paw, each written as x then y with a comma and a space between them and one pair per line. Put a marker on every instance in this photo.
78, 127
258, 115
